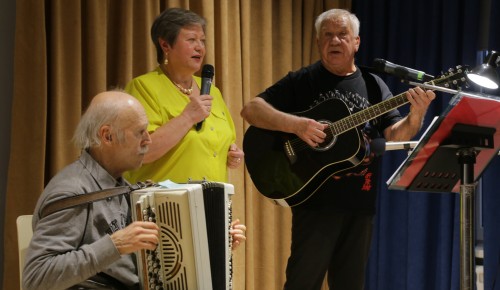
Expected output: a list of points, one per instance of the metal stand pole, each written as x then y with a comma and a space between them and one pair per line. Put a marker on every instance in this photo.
467, 159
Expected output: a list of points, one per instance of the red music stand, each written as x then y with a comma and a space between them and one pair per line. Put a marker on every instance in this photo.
450, 157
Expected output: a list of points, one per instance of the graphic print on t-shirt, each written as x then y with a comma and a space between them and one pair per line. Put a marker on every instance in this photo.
354, 103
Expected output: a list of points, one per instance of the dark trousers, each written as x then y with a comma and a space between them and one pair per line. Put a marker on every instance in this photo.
326, 241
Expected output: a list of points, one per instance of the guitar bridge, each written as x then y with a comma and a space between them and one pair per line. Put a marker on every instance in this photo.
289, 152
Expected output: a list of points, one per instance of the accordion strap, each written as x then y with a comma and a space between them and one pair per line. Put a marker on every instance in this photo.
90, 197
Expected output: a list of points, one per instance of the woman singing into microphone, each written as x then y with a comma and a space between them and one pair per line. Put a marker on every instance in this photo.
171, 95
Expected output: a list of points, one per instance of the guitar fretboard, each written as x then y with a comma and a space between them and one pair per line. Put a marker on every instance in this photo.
372, 112
361, 117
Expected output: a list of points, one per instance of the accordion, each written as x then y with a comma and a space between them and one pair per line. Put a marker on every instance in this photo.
194, 251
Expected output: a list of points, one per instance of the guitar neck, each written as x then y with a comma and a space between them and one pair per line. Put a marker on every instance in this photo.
372, 112
453, 78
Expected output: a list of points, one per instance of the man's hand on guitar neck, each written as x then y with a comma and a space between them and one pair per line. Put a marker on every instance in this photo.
409, 126
310, 131
420, 101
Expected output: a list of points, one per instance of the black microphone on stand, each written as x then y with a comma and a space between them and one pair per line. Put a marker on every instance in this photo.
406, 73
207, 74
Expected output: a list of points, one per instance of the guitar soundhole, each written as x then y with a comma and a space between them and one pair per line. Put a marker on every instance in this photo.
330, 138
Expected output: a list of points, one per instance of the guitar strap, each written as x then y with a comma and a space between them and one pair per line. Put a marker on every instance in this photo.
90, 197
376, 140
372, 87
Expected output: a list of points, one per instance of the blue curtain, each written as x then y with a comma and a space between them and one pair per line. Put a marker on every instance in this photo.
417, 235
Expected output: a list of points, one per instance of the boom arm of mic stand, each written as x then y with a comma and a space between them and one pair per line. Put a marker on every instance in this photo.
400, 145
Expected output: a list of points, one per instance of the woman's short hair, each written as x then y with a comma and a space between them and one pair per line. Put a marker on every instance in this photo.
168, 24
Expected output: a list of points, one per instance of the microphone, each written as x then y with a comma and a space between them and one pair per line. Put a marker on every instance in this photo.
382, 65
207, 73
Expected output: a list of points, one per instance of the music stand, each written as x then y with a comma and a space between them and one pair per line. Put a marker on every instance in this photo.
450, 157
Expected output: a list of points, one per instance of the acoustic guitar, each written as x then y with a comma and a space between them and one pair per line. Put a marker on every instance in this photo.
288, 171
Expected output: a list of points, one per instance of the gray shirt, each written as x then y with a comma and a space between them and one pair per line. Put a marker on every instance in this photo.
74, 244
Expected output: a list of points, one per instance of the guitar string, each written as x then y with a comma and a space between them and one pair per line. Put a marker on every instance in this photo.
298, 144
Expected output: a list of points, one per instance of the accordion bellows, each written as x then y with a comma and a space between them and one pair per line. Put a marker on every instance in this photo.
195, 245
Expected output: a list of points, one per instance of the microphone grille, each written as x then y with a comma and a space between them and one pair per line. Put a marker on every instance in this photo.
379, 64
207, 71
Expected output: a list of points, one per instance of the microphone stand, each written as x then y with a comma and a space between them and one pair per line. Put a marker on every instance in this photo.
400, 145
466, 159
432, 87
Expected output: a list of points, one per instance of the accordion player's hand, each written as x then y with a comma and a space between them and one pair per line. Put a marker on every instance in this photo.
237, 231
136, 236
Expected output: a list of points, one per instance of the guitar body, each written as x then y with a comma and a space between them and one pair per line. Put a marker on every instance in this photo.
290, 179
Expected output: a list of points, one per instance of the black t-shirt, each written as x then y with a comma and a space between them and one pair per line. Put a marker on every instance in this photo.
302, 90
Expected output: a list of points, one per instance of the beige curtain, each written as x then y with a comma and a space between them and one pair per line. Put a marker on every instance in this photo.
68, 51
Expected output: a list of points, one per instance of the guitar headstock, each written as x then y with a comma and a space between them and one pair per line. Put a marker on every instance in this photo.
454, 78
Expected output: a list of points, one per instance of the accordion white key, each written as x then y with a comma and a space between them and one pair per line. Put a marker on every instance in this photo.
195, 245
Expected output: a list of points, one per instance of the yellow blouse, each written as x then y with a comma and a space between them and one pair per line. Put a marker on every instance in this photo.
199, 154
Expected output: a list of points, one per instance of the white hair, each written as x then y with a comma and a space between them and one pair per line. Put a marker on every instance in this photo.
106, 112
336, 14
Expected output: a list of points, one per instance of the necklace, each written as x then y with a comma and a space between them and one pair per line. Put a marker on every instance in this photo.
181, 88
184, 90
